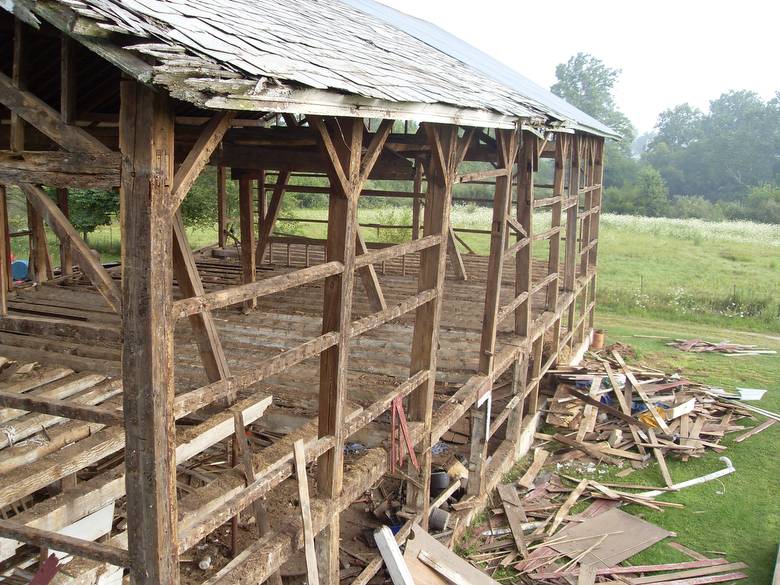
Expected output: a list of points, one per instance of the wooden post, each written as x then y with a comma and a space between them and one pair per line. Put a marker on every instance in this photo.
146, 142
416, 203
514, 424
348, 169
588, 207
39, 263
262, 205
507, 148
221, 205
598, 177
5, 266
527, 161
446, 148
478, 448
9, 281
344, 156
507, 145
247, 220
67, 110
554, 257
570, 258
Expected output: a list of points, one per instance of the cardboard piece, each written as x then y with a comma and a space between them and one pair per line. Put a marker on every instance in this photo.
626, 535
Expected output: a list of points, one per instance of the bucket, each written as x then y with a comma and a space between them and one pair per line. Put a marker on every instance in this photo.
598, 339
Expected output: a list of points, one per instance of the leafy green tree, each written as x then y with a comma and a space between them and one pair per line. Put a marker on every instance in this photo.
92, 208
721, 154
587, 83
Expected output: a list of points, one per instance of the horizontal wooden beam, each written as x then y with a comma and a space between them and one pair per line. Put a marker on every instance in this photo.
479, 175
61, 169
61, 408
75, 546
231, 296
391, 252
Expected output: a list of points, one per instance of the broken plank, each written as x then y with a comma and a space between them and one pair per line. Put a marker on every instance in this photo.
679, 575
755, 430
567, 505
540, 456
303, 497
515, 515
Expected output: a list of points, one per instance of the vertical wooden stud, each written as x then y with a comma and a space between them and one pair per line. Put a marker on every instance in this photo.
5, 266
247, 220
221, 205
527, 160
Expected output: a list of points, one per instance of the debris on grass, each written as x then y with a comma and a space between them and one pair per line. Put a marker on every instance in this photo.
606, 413
701, 346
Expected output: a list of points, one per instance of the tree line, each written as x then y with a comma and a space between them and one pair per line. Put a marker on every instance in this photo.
720, 164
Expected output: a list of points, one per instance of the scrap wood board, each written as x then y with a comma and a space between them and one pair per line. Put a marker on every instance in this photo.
419, 540
626, 536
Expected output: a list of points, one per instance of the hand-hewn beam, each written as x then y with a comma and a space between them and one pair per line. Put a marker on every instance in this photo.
200, 154
5, 267
39, 114
343, 147
146, 130
440, 176
526, 166
508, 142
60, 169
88, 263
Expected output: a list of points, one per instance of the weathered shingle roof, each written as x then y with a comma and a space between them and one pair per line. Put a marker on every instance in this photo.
314, 56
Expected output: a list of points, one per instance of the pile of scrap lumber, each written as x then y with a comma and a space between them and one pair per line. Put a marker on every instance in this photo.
533, 536
607, 411
701, 346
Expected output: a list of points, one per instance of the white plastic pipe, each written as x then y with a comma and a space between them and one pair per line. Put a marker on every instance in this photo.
703, 479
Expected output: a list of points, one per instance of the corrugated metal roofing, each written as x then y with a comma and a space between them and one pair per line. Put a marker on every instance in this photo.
316, 53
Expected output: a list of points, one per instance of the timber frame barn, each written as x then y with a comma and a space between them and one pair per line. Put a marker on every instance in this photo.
151, 365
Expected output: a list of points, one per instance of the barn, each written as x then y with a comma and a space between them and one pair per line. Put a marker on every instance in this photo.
177, 393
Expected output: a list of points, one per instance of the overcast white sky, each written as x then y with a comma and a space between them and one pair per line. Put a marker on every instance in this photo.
670, 51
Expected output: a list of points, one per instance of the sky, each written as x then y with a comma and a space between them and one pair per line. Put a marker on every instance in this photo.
669, 51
